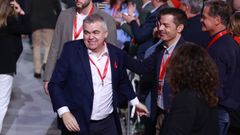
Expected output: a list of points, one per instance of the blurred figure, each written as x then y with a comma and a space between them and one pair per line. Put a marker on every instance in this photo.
13, 23
225, 52
193, 77
43, 17
116, 8
142, 33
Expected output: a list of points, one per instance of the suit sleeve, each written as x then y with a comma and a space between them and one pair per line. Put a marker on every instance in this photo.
125, 86
57, 82
54, 49
140, 67
144, 32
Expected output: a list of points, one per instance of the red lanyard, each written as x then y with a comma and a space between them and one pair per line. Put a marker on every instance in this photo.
215, 38
77, 32
162, 72
104, 71
237, 39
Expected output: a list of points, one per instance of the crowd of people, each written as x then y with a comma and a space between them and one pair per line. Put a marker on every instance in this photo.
185, 52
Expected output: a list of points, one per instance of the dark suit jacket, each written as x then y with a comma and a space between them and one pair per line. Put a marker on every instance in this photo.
151, 65
71, 83
11, 43
143, 33
226, 54
190, 115
193, 32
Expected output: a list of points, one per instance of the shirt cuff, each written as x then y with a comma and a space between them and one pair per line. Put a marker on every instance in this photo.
134, 101
62, 110
122, 22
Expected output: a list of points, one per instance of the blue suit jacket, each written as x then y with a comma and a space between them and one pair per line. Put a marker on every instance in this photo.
71, 83
151, 65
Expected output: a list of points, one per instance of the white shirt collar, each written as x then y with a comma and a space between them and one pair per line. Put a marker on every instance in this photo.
145, 4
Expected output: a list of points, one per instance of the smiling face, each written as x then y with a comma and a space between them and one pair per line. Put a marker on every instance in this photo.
168, 31
94, 35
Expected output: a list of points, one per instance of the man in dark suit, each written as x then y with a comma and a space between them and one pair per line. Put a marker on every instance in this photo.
193, 30
225, 52
86, 82
170, 24
65, 30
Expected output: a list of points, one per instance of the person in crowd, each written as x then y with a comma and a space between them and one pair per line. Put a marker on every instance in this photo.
170, 24
234, 26
193, 30
13, 23
69, 27
43, 17
116, 8
193, 78
142, 34
86, 82
225, 52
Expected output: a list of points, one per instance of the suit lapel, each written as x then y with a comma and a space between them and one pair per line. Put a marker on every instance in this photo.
85, 61
114, 64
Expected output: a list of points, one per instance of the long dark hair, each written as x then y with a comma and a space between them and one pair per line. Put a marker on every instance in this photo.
191, 67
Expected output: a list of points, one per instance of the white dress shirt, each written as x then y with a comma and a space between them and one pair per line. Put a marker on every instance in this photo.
102, 100
80, 18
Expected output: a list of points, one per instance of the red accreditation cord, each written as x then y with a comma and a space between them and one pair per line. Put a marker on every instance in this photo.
102, 76
237, 39
162, 72
78, 32
216, 37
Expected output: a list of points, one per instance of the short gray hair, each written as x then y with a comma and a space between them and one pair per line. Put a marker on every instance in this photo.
96, 18
195, 5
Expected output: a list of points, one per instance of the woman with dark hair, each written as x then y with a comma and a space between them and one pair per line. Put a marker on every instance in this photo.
193, 77
11, 27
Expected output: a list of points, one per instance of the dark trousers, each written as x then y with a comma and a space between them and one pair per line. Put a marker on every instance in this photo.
106, 126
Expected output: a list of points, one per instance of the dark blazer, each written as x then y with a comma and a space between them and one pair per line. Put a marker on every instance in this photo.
143, 33
190, 115
193, 32
151, 65
11, 43
226, 54
71, 83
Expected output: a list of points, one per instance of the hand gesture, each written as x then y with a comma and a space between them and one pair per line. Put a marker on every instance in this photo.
141, 109
17, 7
70, 122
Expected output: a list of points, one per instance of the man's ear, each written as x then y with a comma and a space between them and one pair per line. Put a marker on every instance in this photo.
180, 28
106, 34
217, 20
